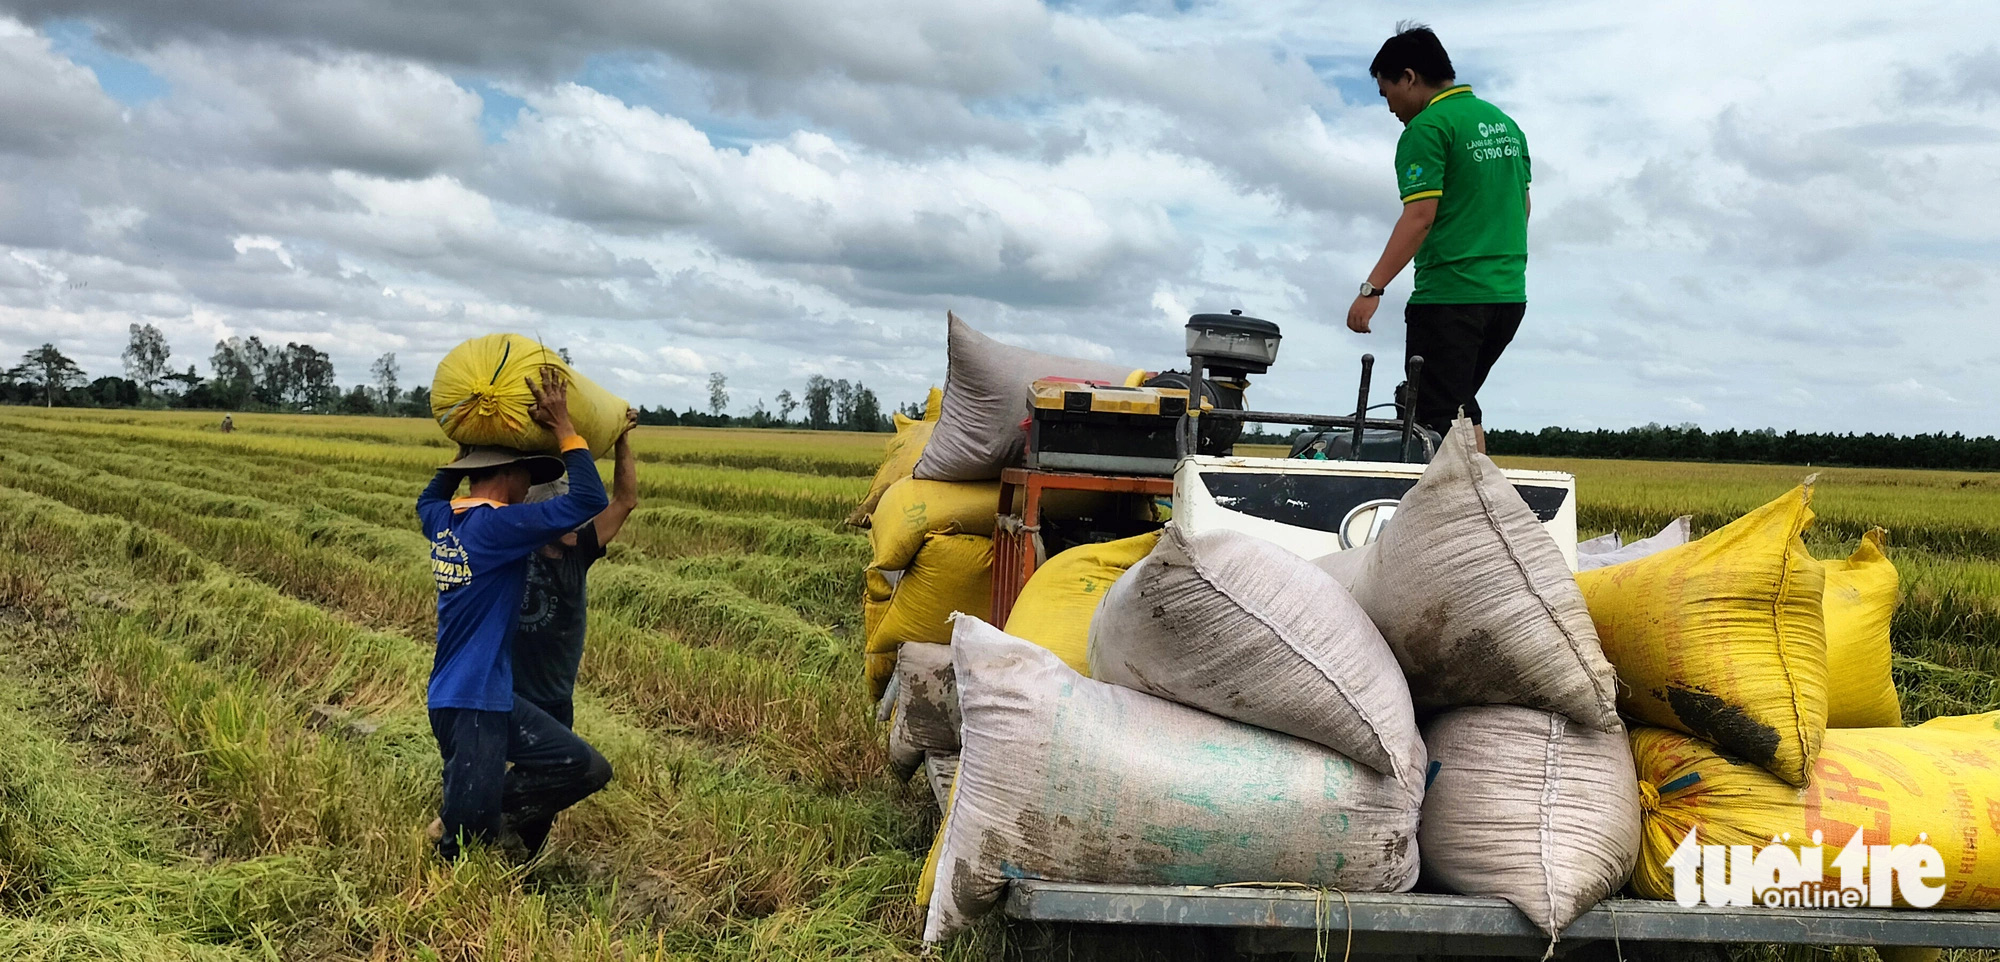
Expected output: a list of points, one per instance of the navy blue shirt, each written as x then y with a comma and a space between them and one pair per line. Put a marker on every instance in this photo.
479, 561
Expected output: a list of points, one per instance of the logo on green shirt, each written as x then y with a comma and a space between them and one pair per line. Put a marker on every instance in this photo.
1413, 172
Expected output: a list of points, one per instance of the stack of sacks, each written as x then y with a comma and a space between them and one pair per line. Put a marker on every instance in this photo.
899, 457
1938, 782
1053, 611
931, 542
1064, 777
930, 512
1859, 603
1742, 647
1529, 802
1725, 638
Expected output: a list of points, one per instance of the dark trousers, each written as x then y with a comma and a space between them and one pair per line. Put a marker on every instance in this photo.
483, 798
535, 832
1459, 344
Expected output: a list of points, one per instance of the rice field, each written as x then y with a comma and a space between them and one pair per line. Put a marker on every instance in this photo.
213, 743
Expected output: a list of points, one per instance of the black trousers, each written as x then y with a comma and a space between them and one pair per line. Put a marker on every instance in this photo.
483, 798
1459, 344
535, 832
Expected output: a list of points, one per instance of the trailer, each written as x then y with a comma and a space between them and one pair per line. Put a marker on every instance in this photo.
1315, 507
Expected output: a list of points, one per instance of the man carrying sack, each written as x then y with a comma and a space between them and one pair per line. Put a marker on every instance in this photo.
480, 545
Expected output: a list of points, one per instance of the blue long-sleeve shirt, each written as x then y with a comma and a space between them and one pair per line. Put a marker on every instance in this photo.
479, 554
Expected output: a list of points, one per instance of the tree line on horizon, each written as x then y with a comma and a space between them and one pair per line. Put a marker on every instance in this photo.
246, 374
1689, 442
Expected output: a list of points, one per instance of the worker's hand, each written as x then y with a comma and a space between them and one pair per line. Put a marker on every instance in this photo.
623, 447
1361, 312
551, 407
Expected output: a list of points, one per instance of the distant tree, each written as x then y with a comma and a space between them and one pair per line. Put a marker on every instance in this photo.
417, 402
865, 414
308, 378
358, 401
384, 372
50, 371
113, 392
146, 356
843, 403
760, 418
181, 383
232, 380
718, 393
786, 405
563, 352
913, 410
819, 402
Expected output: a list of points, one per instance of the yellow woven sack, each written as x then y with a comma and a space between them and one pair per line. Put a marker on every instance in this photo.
897, 459
480, 396
1940, 779
952, 572
927, 878
1055, 606
913, 508
933, 404
875, 595
1860, 603
1723, 637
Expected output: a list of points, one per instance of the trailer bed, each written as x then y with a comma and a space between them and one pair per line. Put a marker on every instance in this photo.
1284, 920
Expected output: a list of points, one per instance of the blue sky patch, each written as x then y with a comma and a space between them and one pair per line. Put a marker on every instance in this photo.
126, 80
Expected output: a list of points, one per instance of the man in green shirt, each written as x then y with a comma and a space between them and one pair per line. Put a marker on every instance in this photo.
1462, 172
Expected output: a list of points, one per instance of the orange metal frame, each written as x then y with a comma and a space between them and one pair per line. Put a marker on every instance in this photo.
1014, 547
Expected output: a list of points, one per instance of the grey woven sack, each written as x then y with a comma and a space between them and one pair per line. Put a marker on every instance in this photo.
1531, 807
923, 713
1475, 598
1062, 777
986, 398
1239, 627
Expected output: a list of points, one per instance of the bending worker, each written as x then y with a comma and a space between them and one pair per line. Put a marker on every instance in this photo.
548, 647
480, 546
1462, 169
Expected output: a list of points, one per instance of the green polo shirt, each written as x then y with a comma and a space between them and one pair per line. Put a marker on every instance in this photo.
1474, 160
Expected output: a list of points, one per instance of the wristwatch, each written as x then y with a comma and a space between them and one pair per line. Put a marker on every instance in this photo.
1370, 290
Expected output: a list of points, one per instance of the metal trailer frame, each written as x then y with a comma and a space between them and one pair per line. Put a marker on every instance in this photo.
1358, 422
1297, 920
1016, 537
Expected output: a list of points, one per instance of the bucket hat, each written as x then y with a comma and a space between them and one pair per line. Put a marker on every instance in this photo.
542, 468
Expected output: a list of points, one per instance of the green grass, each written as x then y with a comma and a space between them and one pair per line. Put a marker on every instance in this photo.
179, 610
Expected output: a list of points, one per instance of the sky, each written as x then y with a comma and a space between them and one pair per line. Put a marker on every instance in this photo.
1783, 214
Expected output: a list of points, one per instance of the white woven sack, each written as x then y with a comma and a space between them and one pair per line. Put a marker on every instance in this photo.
1675, 534
1063, 777
1475, 598
1239, 627
1531, 807
986, 398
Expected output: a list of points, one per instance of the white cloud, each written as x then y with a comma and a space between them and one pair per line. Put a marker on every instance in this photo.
1776, 215
50, 104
